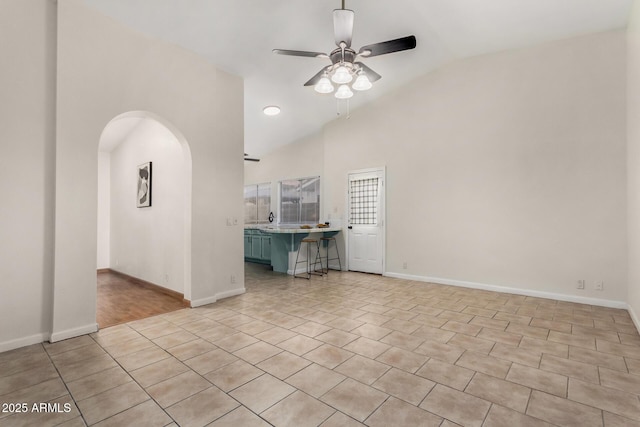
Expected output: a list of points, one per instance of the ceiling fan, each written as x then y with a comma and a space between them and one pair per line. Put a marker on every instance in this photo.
344, 67
250, 159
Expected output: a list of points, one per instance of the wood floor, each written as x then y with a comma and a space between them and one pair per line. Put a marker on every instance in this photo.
120, 300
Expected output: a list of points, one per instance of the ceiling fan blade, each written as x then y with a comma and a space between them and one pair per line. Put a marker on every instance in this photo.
371, 75
390, 46
343, 26
250, 159
315, 79
300, 53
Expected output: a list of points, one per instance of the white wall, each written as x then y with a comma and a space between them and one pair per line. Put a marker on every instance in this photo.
502, 170
27, 144
298, 160
104, 209
633, 161
149, 243
71, 71
105, 69
506, 169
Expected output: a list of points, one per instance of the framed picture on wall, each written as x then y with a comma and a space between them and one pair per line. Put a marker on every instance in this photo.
144, 185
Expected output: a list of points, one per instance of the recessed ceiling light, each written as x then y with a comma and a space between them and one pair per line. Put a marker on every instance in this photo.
271, 110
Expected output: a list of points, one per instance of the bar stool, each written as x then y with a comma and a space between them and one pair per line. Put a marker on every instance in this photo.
317, 260
327, 259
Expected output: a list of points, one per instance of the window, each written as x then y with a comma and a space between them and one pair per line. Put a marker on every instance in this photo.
300, 201
257, 203
364, 201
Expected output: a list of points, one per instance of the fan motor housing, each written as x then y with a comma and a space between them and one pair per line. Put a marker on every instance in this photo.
349, 56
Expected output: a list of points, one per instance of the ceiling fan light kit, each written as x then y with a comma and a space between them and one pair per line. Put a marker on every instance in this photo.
344, 68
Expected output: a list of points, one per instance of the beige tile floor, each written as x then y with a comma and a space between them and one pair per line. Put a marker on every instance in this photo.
344, 350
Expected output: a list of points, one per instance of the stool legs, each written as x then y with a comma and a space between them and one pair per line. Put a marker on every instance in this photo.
328, 240
317, 260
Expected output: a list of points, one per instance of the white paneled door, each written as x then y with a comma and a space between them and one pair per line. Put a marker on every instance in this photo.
366, 221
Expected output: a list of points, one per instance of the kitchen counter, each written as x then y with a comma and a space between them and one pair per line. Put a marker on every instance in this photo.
285, 242
298, 230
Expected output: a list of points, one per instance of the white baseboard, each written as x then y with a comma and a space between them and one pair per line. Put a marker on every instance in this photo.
303, 270
336, 266
509, 290
634, 317
231, 293
72, 333
210, 300
203, 301
23, 342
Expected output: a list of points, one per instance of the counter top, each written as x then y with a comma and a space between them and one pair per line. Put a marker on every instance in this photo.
295, 230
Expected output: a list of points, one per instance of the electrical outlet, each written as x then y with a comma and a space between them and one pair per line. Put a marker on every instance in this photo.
166, 278
580, 284
235, 221
229, 221
599, 285
404, 265
233, 279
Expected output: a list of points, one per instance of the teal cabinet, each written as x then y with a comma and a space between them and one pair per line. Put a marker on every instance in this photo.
247, 244
266, 248
257, 246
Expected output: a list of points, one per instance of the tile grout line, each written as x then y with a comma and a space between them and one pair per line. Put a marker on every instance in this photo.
65, 384
132, 379
197, 373
240, 404
263, 373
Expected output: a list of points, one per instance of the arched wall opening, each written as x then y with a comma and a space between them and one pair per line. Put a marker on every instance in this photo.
149, 243
103, 70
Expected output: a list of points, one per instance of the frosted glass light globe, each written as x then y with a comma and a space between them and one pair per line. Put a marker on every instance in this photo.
344, 92
323, 86
342, 75
362, 83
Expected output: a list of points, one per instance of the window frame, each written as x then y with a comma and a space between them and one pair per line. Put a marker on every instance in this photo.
257, 187
319, 208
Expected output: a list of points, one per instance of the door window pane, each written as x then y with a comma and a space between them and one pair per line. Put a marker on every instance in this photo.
364, 201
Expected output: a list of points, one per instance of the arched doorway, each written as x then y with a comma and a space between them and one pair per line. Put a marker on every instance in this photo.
148, 245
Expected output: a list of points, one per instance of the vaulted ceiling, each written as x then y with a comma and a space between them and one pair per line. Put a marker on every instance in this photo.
238, 36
